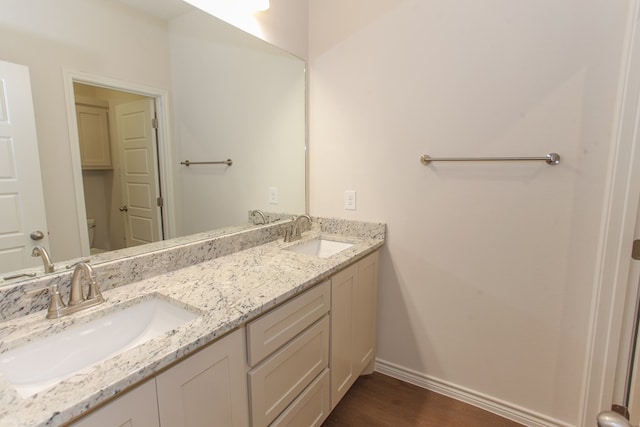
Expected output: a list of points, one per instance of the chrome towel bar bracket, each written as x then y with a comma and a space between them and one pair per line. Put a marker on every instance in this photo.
551, 159
227, 162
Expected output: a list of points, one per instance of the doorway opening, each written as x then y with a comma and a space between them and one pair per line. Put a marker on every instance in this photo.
120, 154
120, 172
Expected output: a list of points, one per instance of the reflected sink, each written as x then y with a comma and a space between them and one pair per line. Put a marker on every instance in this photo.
42, 363
322, 248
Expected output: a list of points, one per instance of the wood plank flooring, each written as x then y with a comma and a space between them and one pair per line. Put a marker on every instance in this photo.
378, 400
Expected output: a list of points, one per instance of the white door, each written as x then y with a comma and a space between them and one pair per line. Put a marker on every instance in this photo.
21, 198
138, 172
634, 384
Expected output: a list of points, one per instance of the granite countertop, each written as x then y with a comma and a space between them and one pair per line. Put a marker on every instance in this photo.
229, 291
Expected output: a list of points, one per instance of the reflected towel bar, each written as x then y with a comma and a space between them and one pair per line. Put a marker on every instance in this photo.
551, 159
16, 276
227, 162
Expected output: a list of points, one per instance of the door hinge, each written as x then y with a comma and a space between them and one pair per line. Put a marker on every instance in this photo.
160, 202
154, 123
635, 251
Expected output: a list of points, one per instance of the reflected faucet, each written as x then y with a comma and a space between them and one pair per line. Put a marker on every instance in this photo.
258, 212
46, 259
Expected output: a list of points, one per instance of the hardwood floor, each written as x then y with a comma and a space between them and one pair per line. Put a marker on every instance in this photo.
378, 400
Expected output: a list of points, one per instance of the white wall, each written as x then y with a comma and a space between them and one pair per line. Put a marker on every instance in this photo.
487, 279
284, 24
100, 37
260, 125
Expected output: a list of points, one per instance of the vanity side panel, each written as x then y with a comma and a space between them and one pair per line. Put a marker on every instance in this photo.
365, 314
343, 294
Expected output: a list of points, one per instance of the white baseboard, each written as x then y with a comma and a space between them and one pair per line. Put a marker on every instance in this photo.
488, 403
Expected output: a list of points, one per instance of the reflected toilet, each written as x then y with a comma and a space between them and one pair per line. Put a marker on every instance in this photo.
91, 228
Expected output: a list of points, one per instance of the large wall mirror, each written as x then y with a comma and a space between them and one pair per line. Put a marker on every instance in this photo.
97, 66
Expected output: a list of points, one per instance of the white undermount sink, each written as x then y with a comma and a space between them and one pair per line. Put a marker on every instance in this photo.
46, 361
322, 248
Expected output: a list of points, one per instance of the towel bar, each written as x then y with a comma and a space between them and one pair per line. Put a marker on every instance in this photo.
551, 159
227, 162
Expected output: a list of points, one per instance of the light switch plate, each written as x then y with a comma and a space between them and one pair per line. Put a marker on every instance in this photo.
350, 200
273, 195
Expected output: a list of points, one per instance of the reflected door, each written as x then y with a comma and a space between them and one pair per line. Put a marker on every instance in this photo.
632, 395
138, 166
22, 212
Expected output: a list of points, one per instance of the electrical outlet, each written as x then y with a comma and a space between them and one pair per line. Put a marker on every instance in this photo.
350, 200
273, 195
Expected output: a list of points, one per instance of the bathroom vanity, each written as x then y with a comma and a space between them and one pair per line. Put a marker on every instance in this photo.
282, 331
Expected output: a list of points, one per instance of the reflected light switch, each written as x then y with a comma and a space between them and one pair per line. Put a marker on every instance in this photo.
273, 195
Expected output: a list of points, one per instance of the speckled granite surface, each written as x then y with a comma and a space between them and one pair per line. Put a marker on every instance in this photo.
229, 290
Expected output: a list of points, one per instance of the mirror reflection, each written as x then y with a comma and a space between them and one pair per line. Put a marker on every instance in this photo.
218, 93
120, 173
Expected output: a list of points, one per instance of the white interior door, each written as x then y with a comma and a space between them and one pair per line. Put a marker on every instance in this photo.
138, 172
21, 198
634, 385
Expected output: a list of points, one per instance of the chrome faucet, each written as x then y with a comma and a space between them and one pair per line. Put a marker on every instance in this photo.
258, 212
46, 259
77, 301
293, 232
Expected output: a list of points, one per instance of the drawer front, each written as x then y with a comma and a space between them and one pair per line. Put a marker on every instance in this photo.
271, 331
311, 408
282, 377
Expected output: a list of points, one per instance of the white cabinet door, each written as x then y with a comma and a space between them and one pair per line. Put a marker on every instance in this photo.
209, 388
135, 408
93, 133
354, 304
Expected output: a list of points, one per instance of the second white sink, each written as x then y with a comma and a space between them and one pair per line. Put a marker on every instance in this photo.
44, 362
322, 248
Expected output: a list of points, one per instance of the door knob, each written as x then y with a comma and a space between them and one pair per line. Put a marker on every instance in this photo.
37, 235
124, 208
612, 419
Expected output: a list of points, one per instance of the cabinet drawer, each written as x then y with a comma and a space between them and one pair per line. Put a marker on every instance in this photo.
311, 408
271, 331
282, 377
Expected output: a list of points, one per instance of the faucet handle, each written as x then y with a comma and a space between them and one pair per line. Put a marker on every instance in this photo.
94, 291
73, 264
55, 302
